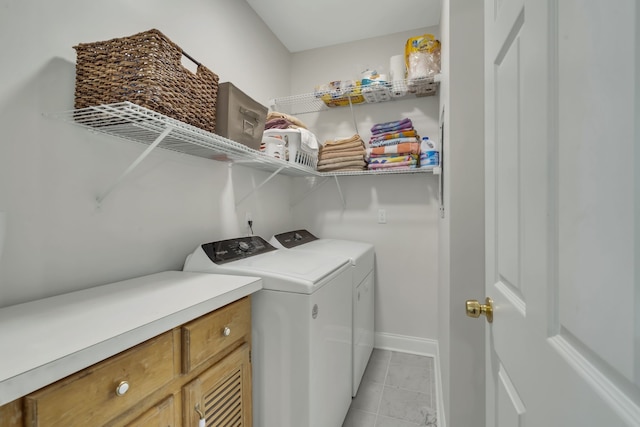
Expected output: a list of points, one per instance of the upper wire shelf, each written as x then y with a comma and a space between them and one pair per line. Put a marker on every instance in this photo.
383, 92
135, 123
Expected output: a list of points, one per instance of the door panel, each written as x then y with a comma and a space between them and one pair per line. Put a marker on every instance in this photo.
511, 409
595, 262
562, 96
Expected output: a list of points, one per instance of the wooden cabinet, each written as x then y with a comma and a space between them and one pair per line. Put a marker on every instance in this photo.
105, 390
214, 335
161, 415
222, 394
157, 383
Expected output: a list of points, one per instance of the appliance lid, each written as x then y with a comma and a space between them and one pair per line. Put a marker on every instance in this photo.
229, 250
291, 271
291, 239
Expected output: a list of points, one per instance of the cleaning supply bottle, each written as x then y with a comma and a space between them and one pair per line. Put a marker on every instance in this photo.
429, 154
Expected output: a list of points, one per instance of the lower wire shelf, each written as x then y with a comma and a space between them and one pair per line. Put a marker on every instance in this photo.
142, 125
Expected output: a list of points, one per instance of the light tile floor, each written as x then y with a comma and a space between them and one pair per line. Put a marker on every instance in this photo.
397, 390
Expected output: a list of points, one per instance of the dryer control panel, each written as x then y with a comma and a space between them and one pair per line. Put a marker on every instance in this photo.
229, 250
291, 239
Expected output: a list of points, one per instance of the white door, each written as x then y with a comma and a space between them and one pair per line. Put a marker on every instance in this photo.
562, 87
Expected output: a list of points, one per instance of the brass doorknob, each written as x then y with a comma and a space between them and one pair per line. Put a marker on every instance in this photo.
475, 309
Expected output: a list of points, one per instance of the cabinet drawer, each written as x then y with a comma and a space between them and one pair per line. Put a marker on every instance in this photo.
160, 415
90, 396
215, 333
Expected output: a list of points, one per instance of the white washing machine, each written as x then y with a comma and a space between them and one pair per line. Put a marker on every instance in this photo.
301, 330
362, 256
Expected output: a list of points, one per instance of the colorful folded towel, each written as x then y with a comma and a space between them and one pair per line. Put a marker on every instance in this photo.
387, 142
404, 148
392, 126
393, 135
405, 164
393, 159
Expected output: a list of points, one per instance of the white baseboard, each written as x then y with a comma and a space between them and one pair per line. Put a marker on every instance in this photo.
406, 344
421, 346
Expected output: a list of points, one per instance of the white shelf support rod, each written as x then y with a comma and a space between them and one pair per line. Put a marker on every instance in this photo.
135, 163
259, 186
344, 204
353, 117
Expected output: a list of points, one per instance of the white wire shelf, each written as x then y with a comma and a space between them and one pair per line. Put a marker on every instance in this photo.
138, 124
390, 91
134, 123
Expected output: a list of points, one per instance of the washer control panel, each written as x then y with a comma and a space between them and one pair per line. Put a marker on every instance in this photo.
229, 250
291, 239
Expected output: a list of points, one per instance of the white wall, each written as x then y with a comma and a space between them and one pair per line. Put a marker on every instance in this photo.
407, 245
56, 238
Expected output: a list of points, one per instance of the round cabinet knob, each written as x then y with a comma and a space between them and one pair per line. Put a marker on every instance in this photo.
122, 388
226, 331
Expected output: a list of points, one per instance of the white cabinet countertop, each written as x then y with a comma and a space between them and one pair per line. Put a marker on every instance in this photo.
46, 340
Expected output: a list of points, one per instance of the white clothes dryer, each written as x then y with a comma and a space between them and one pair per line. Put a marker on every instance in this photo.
301, 329
362, 256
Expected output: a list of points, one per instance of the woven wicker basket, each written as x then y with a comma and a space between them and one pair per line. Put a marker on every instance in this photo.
146, 69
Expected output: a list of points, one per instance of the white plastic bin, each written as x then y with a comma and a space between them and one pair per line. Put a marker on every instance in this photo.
296, 152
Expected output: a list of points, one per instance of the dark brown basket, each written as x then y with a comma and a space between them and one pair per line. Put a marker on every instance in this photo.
146, 69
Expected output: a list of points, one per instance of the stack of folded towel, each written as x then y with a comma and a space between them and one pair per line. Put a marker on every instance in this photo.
342, 155
276, 120
393, 145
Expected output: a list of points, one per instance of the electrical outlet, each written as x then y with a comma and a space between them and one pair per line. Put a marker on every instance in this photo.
249, 220
382, 216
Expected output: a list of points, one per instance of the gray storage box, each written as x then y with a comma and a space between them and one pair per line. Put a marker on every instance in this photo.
238, 117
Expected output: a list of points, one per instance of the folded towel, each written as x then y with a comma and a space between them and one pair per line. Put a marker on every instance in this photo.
392, 126
404, 148
341, 141
358, 151
393, 159
392, 168
395, 141
294, 120
348, 165
392, 165
342, 144
340, 160
393, 135
308, 141
279, 124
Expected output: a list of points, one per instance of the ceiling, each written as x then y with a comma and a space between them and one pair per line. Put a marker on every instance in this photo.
309, 24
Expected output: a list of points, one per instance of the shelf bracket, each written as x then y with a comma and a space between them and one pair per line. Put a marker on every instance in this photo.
135, 163
344, 204
259, 186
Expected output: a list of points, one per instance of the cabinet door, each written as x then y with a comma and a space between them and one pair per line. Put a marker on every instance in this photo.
161, 415
222, 394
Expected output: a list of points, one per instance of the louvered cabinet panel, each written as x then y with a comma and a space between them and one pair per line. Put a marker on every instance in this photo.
222, 394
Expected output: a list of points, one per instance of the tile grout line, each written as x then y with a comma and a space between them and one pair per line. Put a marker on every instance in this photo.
384, 382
